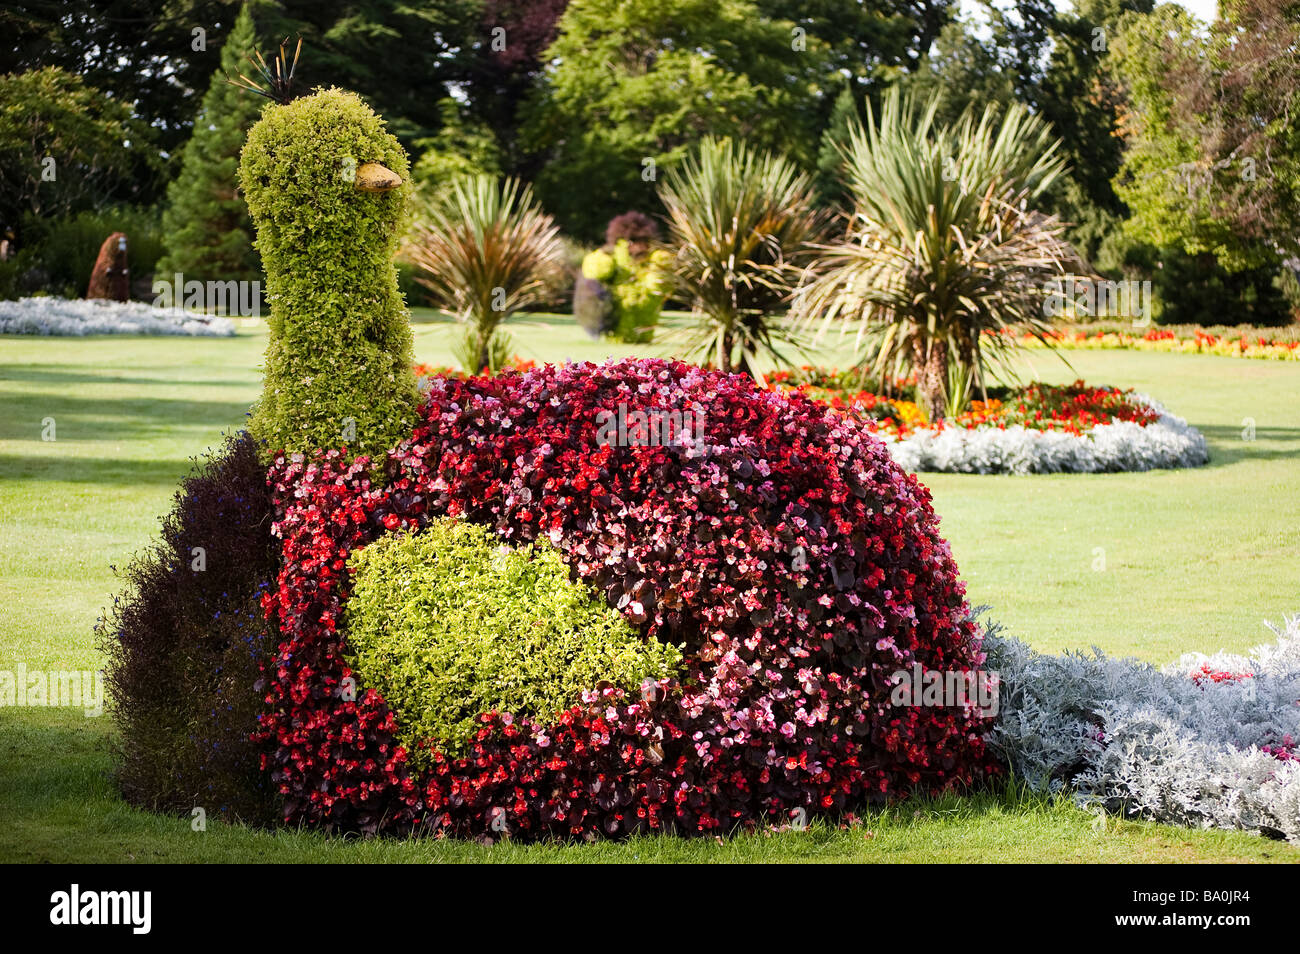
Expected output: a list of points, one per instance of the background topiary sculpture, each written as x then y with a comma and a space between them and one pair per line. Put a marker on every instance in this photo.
637, 286
326, 185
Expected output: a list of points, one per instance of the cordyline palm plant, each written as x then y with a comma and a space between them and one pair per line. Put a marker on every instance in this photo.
744, 224
485, 251
943, 245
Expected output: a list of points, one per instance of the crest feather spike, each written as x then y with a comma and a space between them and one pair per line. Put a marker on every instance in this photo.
276, 86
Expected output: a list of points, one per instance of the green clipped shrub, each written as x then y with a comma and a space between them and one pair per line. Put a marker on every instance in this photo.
338, 363
599, 266
637, 285
447, 624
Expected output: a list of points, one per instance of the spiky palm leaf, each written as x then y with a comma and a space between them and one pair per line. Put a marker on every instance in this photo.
485, 251
943, 243
743, 224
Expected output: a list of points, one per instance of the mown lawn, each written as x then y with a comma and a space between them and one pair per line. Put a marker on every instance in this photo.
1151, 565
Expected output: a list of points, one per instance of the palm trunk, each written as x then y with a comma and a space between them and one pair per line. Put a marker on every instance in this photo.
726, 347
930, 362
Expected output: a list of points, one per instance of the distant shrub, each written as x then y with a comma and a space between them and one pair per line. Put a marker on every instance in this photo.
559, 286
412, 292
636, 228
448, 623
1196, 289
593, 306
185, 644
637, 287
485, 250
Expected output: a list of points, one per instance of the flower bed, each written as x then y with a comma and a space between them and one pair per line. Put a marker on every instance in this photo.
424, 373
794, 562
62, 316
842, 391
1163, 339
1042, 428
1205, 742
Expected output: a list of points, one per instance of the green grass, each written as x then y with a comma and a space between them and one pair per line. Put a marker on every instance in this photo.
1194, 560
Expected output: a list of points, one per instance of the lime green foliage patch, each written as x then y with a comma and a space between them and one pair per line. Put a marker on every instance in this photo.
638, 286
447, 624
338, 364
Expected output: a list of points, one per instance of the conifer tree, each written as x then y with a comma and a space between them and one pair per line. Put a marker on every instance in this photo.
845, 114
207, 234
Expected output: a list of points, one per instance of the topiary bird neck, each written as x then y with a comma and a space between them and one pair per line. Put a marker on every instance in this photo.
325, 184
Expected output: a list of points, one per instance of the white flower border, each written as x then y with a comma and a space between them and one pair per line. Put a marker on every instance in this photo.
1118, 446
1126, 737
67, 317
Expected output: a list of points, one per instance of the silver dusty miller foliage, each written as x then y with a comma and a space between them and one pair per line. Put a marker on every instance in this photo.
64, 317
1145, 742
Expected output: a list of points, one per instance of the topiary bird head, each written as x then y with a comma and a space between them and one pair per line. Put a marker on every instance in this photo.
326, 186
324, 169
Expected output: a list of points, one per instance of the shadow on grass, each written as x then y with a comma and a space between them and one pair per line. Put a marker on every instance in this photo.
17, 469
54, 374
114, 419
1228, 447
59, 802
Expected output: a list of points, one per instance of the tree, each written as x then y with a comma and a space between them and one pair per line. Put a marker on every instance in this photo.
503, 68
944, 243
845, 115
462, 147
744, 224
634, 85
144, 54
206, 229
65, 147
866, 39
401, 57
1083, 101
964, 70
1054, 61
1250, 97
1213, 160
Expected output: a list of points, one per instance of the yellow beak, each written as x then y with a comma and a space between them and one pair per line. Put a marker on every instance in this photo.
373, 177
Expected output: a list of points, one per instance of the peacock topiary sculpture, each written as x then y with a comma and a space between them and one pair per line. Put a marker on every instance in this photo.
723, 607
